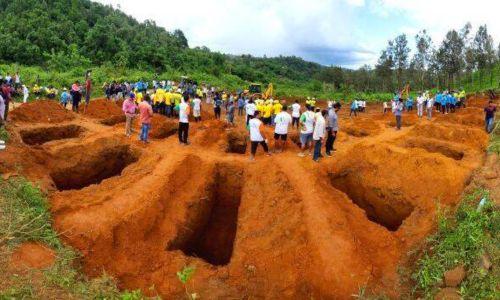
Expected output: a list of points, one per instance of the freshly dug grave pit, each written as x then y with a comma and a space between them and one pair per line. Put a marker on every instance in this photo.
93, 168
361, 127
468, 136
211, 230
434, 146
236, 141
385, 208
39, 136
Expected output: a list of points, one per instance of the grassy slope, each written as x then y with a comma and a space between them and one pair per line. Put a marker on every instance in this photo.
24, 216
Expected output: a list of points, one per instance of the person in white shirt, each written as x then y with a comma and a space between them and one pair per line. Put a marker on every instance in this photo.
319, 133
384, 105
430, 107
250, 109
420, 105
256, 136
197, 109
183, 122
281, 121
26, 94
306, 131
295, 114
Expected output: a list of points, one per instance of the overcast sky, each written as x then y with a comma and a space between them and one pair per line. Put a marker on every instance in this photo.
349, 33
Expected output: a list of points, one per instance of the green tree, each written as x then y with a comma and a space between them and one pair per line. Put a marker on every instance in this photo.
400, 52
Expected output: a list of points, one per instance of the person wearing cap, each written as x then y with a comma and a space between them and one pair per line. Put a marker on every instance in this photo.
65, 98
129, 109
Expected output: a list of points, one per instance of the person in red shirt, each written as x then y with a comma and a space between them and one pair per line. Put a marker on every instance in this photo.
6, 94
489, 112
145, 116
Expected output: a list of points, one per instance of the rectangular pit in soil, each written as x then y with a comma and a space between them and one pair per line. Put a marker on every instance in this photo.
92, 167
435, 146
381, 205
39, 136
211, 226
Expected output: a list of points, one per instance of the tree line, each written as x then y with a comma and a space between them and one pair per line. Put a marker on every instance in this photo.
62, 35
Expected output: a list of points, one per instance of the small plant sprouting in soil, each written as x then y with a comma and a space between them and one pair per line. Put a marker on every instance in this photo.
184, 276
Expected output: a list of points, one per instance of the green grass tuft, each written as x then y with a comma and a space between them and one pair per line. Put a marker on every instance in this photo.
463, 240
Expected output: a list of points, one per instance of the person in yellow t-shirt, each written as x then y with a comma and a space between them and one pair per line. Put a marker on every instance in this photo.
268, 111
169, 107
138, 96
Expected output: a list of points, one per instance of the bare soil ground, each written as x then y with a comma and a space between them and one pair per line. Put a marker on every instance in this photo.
280, 227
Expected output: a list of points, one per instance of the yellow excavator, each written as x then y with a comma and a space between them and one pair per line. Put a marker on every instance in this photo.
405, 92
255, 89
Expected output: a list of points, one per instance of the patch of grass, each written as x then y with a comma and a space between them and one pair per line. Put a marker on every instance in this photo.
494, 146
24, 216
4, 134
463, 239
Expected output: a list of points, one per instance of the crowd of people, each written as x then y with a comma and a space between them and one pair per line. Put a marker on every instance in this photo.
317, 127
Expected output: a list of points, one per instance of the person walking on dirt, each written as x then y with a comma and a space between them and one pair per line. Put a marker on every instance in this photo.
319, 133
306, 131
295, 114
197, 109
230, 113
184, 121
489, 113
65, 98
76, 96
129, 109
354, 108
256, 136
145, 116
241, 105
398, 112
217, 107
385, 107
281, 121
88, 90
332, 127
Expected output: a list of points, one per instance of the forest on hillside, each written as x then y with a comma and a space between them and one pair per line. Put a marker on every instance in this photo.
69, 36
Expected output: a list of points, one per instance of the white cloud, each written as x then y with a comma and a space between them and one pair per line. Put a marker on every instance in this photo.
342, 32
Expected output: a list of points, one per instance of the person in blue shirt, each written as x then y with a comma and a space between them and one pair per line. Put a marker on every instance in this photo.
241, 105
65, 98
453, 102
409, 104
398, 112
439, 98
354, 108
